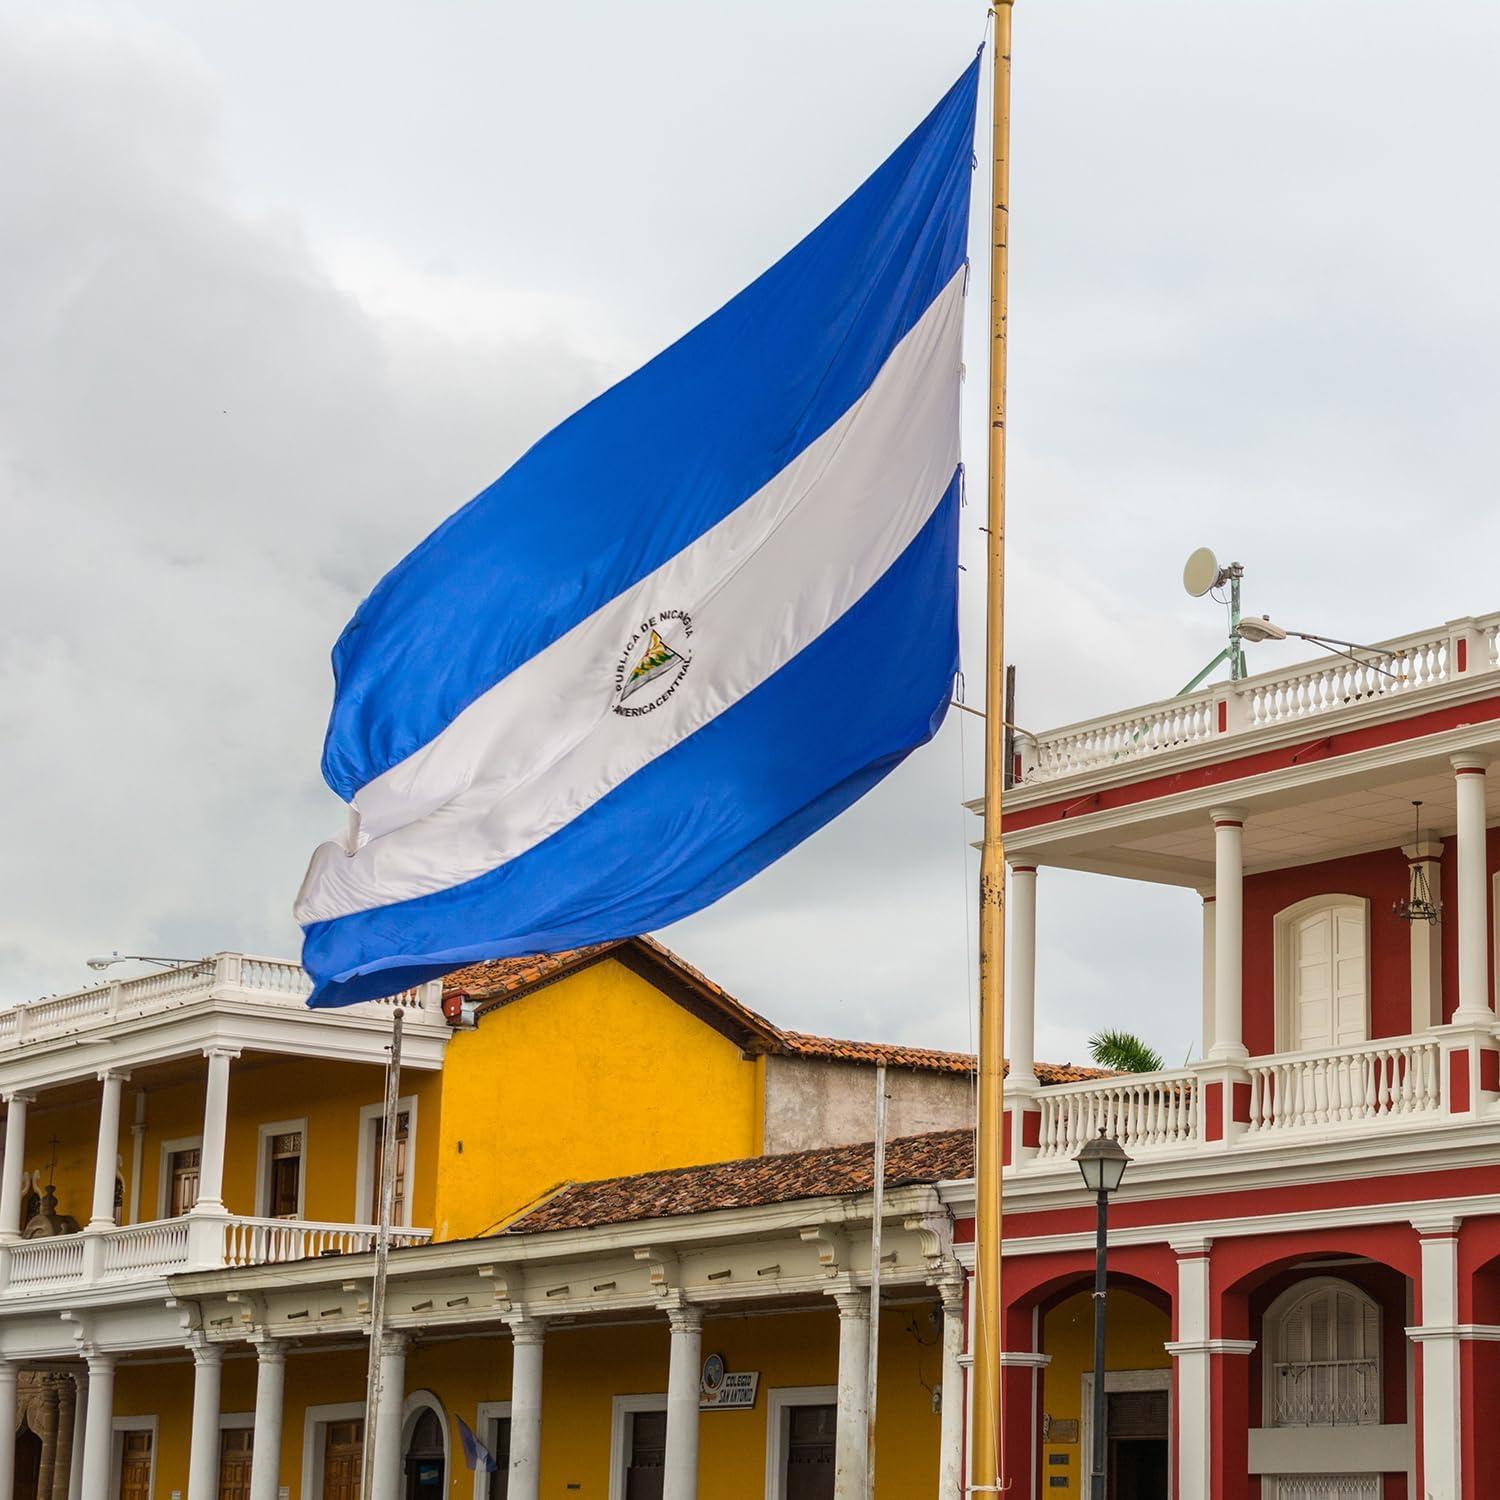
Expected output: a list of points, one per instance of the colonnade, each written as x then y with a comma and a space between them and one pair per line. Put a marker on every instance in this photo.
1223, 930
528, 1338
102, 1204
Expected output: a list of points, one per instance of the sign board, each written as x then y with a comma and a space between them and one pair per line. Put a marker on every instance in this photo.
726, 1390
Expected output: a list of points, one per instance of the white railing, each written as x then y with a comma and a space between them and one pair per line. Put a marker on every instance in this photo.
57, 1260
261, 1242
1363, 1082
264, 981
1325, 1393
1140, 1111
1315, 689
159, 1247
162, 1247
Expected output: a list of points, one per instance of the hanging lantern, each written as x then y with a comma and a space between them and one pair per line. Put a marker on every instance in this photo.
1419, 905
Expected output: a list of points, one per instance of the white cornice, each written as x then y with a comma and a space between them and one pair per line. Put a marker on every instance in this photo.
1296, 1161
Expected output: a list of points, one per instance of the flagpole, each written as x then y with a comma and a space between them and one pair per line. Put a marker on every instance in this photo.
373, 1392
877, 1220
988, 1427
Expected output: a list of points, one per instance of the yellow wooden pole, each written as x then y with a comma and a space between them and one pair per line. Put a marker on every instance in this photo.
988, 1428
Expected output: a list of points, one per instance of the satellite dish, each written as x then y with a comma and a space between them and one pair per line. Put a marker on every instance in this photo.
1201, 572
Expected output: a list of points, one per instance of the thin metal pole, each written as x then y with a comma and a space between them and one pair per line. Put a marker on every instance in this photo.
382, 1253
988, 1419
1101, 1282
877, 1215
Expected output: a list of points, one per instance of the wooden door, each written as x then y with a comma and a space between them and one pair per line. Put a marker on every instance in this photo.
646, 1463
234, 1463
1328, 979
343, 1457
809, 1452
398, 1202
135, 1466
499, 1446
184, 1167
28, 1464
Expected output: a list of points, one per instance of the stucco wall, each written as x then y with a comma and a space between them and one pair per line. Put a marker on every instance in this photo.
810, 1104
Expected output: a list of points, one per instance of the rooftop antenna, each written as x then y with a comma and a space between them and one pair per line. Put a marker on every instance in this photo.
1202, 575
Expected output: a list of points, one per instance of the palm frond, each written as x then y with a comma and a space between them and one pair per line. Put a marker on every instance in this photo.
1123, 1052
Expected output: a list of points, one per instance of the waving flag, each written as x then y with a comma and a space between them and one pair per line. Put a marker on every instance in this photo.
689, 627
476, 1455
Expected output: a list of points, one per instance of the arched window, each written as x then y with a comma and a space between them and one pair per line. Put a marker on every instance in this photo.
1322, 1356
1322, 974
426, 1449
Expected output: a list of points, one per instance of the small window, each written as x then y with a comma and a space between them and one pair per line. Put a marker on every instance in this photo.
183, 1168
284, 1175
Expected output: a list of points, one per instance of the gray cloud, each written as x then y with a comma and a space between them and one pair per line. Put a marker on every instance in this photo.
273, 311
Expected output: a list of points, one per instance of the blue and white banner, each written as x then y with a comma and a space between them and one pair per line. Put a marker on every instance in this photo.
689, 627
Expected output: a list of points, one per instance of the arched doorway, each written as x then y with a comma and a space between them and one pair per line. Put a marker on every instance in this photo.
28, 1463
426, 1458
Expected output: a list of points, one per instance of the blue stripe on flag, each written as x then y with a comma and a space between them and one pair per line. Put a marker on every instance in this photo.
782, 762
673, 449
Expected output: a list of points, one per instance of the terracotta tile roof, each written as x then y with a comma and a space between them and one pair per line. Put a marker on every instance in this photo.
928, 1059
755, 1182
498, 981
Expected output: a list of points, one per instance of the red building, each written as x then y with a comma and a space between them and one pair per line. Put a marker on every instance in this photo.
1305, 1254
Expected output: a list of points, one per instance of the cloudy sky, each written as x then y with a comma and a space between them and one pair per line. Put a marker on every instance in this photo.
283, 284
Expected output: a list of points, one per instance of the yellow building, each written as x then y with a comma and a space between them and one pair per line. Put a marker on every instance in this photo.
611, 1175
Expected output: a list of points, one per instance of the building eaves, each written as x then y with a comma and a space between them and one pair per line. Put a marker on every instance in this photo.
751, 1182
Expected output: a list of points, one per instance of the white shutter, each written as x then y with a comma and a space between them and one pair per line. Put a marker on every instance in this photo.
1350, 1011
1329, 1004
1312, 982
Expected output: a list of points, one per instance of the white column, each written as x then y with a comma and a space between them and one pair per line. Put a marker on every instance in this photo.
15, 1163
137, 1154
1438, 1339
525, 1407
1229, 881
8, 1373
203, 1446
215, 1129
684, 1378
386, 1478
265, 1447
99, 1429
849, 1474
108, 1150
80, 1426
1210, 975
951, 1428
1021, 1008
1192, 1375
1473, 898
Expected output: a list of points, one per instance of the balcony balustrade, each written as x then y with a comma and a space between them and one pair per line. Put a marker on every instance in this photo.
1409, 664
162, 1247
257, 981
1350, 1094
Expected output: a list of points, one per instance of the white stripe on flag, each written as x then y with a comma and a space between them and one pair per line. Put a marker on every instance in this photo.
546, 742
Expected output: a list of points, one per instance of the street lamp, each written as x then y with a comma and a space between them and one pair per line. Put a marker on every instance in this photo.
104, 961
1102, 1162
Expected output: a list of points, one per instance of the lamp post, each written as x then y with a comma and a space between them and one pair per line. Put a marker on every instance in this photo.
1102, 1162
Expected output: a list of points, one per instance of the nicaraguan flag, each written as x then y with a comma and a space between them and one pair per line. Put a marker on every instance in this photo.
476, 1455
689, 627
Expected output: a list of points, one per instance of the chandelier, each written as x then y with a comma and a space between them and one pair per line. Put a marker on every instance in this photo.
1418, 905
